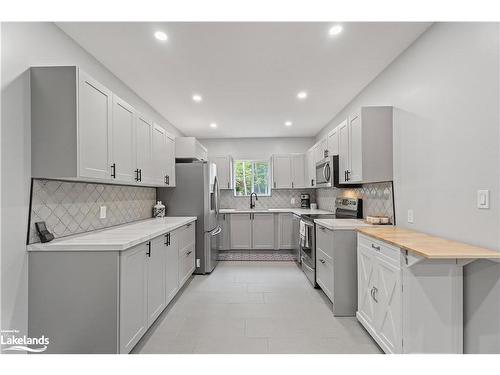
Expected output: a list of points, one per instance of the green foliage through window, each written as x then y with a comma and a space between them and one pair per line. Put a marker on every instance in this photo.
251, 176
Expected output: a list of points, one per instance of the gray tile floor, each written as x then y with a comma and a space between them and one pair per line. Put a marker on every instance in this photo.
253, 307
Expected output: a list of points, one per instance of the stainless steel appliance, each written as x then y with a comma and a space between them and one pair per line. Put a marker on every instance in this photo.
305, 200
197, 194
323, 172
346, 208
328, 172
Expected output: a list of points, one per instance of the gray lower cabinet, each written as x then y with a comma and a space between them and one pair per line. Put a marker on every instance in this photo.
336, 268
89, 302
171, 266
133, 316
223, 240
252, 231
241, 231
263, 231
285, 231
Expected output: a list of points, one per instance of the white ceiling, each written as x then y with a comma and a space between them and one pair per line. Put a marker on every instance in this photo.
248, 73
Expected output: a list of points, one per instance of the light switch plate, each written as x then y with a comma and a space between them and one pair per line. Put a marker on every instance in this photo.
410, 216
483, 199
102, 212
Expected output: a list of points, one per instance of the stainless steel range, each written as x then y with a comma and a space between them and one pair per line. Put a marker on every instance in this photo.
346, 208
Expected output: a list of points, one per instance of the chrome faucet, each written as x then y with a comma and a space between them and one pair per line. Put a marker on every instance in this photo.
252, 203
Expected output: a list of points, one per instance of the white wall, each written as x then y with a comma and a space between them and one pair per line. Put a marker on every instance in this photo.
255, 148
25, 45
445, 91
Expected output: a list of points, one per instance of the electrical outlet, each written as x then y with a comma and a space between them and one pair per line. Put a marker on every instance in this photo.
292, 201
410, 216
483, 199
102, 213
198, 263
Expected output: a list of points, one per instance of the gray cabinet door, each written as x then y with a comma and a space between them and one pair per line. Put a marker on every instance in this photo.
171, 266
133, 296
343, 130
298, 166
224, 172
286, 231
144, 156
282, 172
241, 231
94, 128
170, 161
122, 141
355, 150
156, 278
263, 231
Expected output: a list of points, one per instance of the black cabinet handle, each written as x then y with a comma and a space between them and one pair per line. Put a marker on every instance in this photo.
347, 175
228, 185
113, 170
149, 249
140, 174
167, 239
168, 179
137, 174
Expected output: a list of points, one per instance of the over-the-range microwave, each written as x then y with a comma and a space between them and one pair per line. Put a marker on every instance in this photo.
328, 171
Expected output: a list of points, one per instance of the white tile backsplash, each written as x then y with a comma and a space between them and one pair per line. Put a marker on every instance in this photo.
377, 198
73, 207
280, 198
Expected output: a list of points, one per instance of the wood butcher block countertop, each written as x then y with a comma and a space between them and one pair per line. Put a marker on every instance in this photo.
430, 247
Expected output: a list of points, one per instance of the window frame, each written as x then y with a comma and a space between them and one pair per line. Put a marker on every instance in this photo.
253, 161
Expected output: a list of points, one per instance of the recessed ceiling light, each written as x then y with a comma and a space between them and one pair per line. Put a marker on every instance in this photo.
197, 98
213, 125
288, 123
302, 95
161, 36
335, 30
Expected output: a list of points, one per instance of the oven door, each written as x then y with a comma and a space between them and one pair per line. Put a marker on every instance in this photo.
324, 173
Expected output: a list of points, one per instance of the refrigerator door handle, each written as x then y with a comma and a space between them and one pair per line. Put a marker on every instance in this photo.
216, 231
216, 196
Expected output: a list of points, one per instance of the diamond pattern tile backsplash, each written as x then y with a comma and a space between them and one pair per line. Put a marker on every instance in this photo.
377, 198
280, 198
73, 207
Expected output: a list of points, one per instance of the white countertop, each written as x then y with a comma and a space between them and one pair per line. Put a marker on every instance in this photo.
114, 239
343, 224
294, 210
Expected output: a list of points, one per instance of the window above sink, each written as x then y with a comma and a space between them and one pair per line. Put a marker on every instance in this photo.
252, 176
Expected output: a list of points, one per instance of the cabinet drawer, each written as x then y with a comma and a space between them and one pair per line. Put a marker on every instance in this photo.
186, 235
324, 273
391, 252
324, 240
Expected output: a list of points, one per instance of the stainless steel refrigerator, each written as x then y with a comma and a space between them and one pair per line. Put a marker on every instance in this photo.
197, 194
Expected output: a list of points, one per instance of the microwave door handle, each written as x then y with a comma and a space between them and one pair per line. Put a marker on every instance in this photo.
324, 172
327, 172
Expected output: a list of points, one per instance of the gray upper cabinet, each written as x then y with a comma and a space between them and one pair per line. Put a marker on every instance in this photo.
144, 153
122, 141
94, 128
224, 171
289, 171
365, 146
80, 130
282, 172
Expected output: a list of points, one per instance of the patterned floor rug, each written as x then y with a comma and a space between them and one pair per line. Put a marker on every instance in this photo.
257, 255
